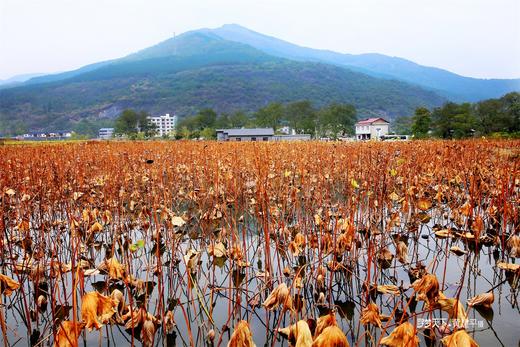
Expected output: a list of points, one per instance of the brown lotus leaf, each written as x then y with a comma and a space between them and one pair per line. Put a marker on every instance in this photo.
443, 233
114, 268
513, 244
169, 322
8, 285
148, 333
137, 317
68, 334
325, 321
294, 249
299, 239
218, 250
460, 338
402, 252
424, 204
454, 309
385, 255
331, 336
96, 227
298, 334
457, 250
393, 196
404, 335
484, 300
191, 259
119, 299
370, 315
242, 336
178, 221
508, 266
279, 296
388, 289
96, 309
427, 286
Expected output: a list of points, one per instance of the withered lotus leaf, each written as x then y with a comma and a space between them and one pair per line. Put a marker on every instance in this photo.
8, 285
404, 335
424, 204
242, 336
114, 269
484, 300
279, 296
460, 338
370, 315
298, 334
402, 252
427, 286
388, 289
217, 250
68, 334
508, 266
331, 336
454, 308
178, 221
513, 244
97, 309
457, 250
191, 259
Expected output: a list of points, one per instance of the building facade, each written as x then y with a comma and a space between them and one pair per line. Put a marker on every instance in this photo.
255, 134
372, 129
165, 124
106, 133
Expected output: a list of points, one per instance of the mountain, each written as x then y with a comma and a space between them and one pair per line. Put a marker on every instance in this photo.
191, 71
18, 79
448, 84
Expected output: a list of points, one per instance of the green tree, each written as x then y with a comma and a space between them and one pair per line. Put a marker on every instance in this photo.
301, 116
454, 121
337, 119
131, 123
238, 119
206, 118
402, 125
270, 115
421, 122
208, 134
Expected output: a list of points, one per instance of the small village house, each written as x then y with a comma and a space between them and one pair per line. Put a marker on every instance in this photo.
258, 134
372, 129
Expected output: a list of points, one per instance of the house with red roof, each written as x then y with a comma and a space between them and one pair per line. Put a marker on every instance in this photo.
372, 128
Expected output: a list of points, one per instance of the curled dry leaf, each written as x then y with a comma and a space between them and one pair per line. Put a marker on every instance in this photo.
148, 333
298, 334
68, 334
279, 296
508, 266
388, 289
424, 204
96, 309
460, 338
8, 285
191, 259
331, 337
454, 309
218, 250
370, 315
457, 250
427, 286
114, 268
242, 336
404, 335
513, 244
483, 300
402, 252
443, 233
178, 221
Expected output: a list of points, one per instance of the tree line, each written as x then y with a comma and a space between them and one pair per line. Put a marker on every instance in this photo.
495, 117
332, 121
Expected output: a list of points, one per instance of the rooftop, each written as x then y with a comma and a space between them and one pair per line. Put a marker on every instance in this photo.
248, 132
371, 120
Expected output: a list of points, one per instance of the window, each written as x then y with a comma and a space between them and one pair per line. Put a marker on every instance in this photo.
265, 138
253, 139
238, 139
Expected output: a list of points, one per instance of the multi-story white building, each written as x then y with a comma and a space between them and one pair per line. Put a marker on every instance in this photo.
165, 124
106, 133
371, 129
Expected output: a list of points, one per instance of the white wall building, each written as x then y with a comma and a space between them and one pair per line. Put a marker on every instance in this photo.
371, 129
165, 124
106, 133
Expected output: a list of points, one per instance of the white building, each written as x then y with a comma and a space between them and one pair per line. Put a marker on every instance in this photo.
106, 133
371, 128
165, 124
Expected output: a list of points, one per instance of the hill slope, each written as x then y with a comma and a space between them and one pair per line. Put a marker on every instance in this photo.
193, 71
453, 86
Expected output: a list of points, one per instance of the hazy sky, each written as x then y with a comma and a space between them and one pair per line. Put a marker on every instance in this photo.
479, 38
